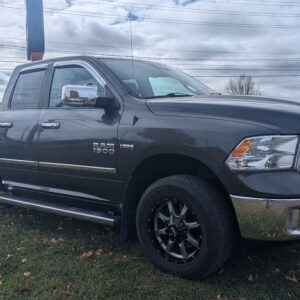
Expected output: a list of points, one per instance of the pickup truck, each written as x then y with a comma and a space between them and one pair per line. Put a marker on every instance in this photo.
147, 148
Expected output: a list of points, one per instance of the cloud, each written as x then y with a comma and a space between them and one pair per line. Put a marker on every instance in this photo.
3, 79
185, 2
77, 27
69, 2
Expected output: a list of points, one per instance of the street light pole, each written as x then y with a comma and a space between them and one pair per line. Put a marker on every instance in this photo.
35, 29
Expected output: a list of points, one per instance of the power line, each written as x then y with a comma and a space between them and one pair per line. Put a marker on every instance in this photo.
281, 75
168, 21
220, 59
172, 21
190, 10
235, 66
168, 50
16, 57
239, 2
198, 64
161, 49
237, 76
182, 59
217, 76
253, 2
186, 10
243, 69
275, 68
12, 61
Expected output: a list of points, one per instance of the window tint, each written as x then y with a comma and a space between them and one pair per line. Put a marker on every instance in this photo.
70, 76
27, 91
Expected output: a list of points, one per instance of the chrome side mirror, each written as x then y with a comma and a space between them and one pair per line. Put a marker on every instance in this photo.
80, 95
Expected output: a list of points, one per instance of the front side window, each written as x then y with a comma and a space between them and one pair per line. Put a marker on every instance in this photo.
27, 90
152, 80
73, 75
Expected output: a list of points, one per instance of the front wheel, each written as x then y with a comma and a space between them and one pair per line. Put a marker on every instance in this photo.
185, 227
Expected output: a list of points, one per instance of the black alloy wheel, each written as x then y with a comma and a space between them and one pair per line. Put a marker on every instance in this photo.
185, 227
177, 231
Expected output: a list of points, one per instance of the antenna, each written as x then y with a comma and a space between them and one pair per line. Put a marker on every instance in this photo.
131, 46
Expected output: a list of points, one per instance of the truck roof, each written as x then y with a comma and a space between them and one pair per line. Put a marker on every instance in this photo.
50, 60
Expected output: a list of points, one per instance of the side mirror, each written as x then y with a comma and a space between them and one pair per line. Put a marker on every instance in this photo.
79, 95
87, 96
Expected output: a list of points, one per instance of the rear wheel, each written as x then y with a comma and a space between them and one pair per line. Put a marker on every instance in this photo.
184, 226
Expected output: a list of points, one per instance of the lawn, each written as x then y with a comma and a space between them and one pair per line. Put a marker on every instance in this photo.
44, 256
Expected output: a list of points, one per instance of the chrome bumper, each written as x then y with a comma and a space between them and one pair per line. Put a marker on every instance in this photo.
268, 219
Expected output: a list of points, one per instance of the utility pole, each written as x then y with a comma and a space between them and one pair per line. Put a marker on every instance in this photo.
35, 29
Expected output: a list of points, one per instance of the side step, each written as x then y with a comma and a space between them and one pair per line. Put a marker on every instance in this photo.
78, 213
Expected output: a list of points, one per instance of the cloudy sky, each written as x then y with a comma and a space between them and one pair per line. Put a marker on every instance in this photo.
212, 39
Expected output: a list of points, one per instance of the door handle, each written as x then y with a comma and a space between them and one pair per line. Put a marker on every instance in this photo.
51, 125
6, 124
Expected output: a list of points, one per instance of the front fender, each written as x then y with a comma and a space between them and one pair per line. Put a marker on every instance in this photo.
209, 141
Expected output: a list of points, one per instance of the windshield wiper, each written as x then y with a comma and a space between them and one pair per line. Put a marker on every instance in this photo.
172, 95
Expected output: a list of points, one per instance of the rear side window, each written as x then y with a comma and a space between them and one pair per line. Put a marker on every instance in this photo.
27, 90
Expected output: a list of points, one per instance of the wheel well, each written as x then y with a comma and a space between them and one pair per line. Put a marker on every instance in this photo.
153, 169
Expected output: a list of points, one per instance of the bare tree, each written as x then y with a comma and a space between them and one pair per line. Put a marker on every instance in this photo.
243, 85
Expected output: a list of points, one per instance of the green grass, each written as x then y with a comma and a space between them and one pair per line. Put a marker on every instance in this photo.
50, 248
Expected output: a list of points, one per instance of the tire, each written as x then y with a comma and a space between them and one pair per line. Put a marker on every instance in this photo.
194, 235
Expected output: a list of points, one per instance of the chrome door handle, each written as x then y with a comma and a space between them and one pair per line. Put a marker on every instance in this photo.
6, 124
50, 125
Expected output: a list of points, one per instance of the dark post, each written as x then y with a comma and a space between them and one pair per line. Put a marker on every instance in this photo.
35, 29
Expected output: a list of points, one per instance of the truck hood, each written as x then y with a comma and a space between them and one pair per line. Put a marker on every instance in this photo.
277, 114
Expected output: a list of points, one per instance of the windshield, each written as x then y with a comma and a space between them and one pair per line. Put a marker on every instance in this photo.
152, 80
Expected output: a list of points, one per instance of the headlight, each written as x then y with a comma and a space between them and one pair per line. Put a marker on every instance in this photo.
264, 153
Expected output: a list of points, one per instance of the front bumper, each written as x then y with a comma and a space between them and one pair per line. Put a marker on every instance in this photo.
268, 219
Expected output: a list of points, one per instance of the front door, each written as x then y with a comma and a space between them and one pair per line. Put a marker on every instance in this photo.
77, 145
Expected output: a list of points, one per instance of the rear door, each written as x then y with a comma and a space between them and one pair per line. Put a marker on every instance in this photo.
19, 128
78, 145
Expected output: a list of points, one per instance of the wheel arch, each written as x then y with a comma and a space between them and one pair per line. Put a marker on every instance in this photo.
154, 168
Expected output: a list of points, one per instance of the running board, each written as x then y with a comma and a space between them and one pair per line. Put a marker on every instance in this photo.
73, 212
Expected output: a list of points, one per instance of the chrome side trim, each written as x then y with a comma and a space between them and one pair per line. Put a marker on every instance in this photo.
35, 67
6, 125
270, 202
13, 184
30, 163
83, 64
11, 161
78, 167
61, 210
268, 219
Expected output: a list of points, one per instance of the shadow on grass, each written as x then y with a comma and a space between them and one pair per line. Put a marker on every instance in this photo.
258, 269
49, 223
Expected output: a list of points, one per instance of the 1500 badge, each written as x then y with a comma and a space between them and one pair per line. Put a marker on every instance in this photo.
104, 148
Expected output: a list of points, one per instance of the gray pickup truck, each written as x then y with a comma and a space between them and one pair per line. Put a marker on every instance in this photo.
145, 147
